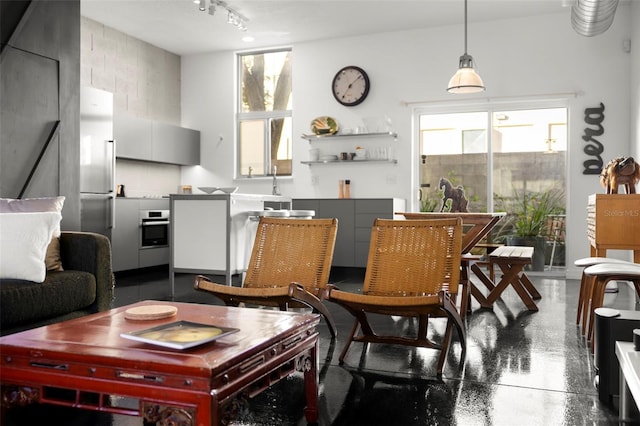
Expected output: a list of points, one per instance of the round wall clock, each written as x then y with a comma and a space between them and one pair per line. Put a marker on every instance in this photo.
350, 86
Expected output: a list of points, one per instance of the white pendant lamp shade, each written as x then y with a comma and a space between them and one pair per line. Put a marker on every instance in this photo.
466, 79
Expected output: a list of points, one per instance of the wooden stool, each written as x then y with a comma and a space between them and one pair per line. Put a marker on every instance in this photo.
600, 275
586, 286
511, 260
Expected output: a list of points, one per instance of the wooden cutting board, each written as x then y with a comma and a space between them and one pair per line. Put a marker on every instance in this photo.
150, 312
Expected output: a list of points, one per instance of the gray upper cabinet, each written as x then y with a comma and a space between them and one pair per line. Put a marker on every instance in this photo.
133, 137
175, 144
148, 140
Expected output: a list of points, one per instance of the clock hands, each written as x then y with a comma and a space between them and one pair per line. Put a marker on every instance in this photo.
350, 85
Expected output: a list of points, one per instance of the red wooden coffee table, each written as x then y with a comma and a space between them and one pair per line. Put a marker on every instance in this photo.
85, 363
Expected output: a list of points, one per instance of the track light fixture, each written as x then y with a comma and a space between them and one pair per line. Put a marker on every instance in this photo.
234, 17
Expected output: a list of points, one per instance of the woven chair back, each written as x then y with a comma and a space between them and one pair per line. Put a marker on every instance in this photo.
414, 257
292, 250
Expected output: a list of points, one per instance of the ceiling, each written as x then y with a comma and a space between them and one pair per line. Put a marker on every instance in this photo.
180, 27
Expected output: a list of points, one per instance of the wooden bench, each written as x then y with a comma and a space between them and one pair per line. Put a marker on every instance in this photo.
511, 260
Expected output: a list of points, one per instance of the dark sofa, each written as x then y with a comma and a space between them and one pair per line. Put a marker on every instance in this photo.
85, 286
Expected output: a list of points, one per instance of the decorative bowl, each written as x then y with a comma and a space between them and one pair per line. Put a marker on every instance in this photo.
212, 189
229, 190
324, 125
208, 189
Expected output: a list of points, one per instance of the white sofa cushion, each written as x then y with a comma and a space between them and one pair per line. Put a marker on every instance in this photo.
24, 238
44, 204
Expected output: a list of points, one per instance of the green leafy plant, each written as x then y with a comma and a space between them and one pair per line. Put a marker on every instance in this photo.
428, 204
528, 211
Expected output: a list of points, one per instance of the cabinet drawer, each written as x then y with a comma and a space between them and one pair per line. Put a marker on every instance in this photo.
365, 220
374, 206
154, 257
363, 234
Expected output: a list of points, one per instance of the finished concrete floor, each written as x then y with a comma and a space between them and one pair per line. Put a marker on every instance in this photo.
521, 368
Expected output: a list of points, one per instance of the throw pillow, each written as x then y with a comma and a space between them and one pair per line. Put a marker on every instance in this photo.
45, 204
24, 238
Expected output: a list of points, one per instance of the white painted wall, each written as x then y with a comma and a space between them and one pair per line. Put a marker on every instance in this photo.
634, 89
517, 58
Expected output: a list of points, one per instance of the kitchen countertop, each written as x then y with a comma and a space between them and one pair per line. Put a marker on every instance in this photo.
235, 196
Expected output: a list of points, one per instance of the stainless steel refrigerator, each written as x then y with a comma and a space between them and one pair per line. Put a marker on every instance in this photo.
97, 161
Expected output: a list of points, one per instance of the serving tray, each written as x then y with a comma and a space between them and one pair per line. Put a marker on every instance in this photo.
179, 334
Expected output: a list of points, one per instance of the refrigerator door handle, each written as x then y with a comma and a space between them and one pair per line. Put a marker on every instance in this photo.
112, 190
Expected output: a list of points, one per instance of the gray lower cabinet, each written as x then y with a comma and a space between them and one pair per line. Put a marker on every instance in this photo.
355, 218
125, 234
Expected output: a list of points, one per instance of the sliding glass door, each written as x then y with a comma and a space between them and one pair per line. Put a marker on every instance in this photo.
502, 159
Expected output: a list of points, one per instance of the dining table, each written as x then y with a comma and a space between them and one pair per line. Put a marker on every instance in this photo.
476, 226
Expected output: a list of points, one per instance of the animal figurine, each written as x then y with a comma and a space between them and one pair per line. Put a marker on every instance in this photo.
620, 171
456, 195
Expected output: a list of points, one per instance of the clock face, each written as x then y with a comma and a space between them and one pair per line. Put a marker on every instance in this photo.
350, 86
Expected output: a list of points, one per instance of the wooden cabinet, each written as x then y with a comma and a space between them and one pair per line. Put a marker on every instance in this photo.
613, 222
355, 218
148, 140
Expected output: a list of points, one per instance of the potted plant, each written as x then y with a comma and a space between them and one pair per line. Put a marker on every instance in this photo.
528, 218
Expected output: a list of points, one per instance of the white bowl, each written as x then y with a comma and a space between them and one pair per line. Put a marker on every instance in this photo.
212, 189
229, 190
208, 189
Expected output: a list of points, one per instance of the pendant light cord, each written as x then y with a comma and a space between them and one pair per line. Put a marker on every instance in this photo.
465, 27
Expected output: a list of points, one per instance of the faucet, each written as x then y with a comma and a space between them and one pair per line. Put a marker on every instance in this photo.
275, 190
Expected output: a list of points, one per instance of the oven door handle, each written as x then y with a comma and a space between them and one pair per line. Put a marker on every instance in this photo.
156, 223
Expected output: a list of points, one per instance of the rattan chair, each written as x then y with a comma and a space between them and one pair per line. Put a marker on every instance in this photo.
289, 267
413, 270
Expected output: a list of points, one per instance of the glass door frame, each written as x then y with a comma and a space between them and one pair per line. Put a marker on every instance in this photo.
485, 105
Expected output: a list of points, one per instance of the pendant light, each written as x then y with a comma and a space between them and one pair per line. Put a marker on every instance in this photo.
466, 79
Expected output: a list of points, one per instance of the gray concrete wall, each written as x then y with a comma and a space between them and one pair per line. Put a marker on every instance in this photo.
40, 81
144, 79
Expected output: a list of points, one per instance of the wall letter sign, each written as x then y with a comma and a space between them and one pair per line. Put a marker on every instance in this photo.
593, 117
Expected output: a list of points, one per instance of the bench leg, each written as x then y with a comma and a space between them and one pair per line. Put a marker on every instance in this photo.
482, 300
511, 275
530, 287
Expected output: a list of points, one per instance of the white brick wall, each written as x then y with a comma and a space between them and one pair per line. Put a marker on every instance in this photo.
144, 79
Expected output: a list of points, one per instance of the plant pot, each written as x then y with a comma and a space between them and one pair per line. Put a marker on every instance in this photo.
539, 245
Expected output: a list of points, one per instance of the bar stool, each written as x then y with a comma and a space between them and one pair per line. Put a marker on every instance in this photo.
600, 275
584, 297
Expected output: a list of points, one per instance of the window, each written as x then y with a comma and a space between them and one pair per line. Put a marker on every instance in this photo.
264, 113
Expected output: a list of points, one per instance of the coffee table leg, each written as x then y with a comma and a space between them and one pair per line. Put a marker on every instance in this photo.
309, 367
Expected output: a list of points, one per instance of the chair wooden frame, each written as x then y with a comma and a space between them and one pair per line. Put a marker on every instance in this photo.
289, 267
413, 270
